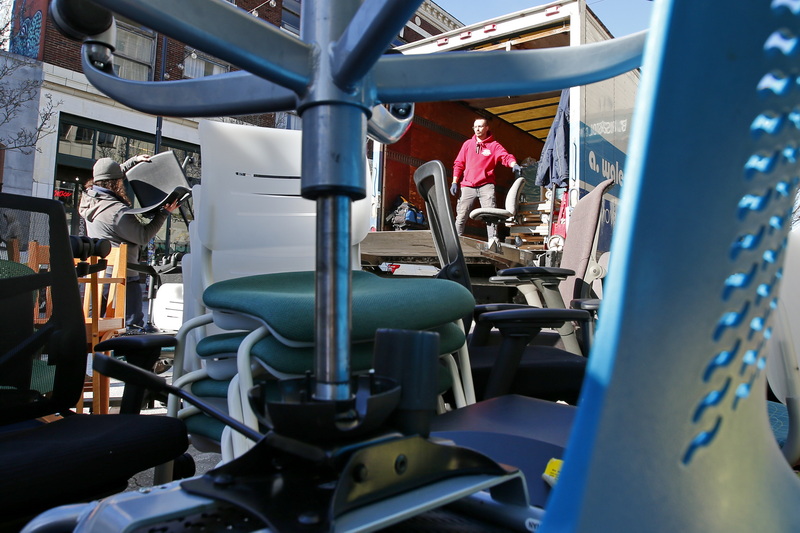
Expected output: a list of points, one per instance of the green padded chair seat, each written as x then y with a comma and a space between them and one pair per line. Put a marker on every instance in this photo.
12, 269
222, 343
289, 360
285, 302
204, 426
210, 388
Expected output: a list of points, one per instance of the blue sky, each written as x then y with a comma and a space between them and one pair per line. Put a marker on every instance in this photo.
621, 17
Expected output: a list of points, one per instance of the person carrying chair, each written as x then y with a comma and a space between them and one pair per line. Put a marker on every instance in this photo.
473, 171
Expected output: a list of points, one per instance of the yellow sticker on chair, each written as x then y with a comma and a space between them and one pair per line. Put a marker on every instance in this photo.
551, 471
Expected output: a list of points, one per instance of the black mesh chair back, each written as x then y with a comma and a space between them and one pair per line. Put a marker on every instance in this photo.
49, 454
42, 336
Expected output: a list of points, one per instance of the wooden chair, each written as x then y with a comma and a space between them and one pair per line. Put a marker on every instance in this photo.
38, 259
108, 323
12, 250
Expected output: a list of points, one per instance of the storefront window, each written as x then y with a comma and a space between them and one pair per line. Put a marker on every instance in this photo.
69, 194
138, 146
113, 146
75, 140
81, 143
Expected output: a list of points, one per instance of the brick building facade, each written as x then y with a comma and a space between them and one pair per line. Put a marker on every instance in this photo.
90, 125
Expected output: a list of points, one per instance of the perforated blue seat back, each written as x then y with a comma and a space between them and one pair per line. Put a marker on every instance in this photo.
672, 432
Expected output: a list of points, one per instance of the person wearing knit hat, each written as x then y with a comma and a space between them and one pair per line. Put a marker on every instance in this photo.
105, 206
106, 168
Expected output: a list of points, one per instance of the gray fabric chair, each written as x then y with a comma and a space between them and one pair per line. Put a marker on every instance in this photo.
501, 215
558, 287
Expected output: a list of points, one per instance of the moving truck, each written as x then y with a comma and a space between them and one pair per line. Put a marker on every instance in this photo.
599, 114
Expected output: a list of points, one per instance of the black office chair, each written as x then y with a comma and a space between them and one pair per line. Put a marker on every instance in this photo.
49, 455
537, 371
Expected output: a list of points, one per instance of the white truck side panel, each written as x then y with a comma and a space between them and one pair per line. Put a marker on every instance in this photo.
600, 128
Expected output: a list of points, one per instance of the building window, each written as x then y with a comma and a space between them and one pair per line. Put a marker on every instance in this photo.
135, 54
196, 66
81, 142
106, 140
75, 140
290, 16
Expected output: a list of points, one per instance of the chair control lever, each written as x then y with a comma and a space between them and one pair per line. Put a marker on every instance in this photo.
130, 374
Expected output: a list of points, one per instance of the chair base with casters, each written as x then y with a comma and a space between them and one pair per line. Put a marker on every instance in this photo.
328, 467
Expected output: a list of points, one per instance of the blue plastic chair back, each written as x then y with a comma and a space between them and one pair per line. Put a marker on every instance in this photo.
672, 432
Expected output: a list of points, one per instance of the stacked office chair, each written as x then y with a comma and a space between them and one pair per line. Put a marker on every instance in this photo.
49, 454
573, 284
251, 221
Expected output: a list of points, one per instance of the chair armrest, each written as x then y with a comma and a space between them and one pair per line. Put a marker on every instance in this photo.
518, 327
530, 273
83, 268
587, 304
144, 269
530, 318
545, 279
592, 305
489, 308
141, 351
480, 333
136, 343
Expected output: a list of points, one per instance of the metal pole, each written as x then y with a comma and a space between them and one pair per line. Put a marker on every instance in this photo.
332, 288
162, 71
334, 155
159, 124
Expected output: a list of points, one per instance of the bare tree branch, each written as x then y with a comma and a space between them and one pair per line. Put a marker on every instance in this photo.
20, 92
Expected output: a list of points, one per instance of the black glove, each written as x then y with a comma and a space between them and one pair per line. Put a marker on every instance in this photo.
517, 169
454, 189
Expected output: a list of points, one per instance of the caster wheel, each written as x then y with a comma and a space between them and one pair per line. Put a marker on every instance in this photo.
183, 467
555, 242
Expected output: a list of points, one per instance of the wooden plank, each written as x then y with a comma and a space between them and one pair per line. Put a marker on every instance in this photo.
540, 229
416, 247
410, 247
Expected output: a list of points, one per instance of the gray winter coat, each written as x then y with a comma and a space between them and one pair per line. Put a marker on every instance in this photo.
106, 219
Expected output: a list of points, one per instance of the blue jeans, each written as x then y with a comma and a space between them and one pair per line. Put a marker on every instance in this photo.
134, 302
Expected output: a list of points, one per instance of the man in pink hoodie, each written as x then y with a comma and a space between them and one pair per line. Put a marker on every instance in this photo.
473, 170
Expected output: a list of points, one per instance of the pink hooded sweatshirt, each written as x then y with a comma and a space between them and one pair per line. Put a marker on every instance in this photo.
480, 158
